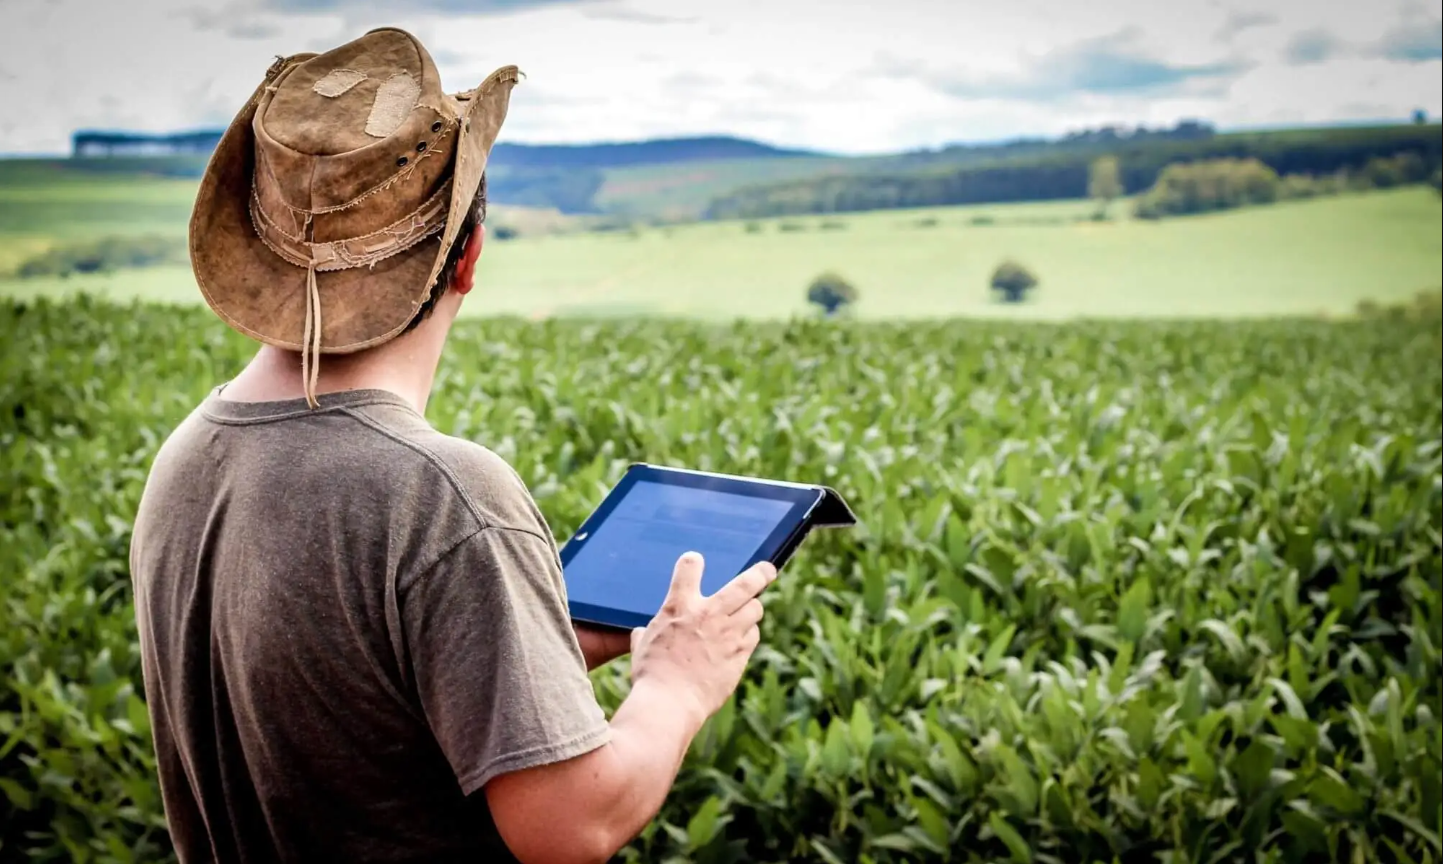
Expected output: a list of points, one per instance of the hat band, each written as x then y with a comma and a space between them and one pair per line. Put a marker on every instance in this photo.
353, 252
363, 251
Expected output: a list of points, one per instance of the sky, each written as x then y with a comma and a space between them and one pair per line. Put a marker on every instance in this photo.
834, 75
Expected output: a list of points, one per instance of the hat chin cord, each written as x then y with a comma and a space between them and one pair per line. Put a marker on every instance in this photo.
311, 339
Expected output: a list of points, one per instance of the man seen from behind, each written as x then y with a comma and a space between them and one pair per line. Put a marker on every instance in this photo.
354, 628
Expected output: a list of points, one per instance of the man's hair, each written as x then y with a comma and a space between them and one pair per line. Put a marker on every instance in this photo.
475, 216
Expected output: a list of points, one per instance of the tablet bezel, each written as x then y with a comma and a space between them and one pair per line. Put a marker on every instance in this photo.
776, 548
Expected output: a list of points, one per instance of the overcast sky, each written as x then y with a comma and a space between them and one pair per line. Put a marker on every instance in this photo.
836, 75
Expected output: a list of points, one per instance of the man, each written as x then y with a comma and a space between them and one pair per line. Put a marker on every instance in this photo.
354, 631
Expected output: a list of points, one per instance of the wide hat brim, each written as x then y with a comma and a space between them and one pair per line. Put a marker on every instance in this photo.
264, 296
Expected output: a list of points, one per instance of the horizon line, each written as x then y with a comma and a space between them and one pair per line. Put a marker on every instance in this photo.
798, 149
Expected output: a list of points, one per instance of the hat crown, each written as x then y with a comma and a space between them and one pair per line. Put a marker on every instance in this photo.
344, 124
367, 92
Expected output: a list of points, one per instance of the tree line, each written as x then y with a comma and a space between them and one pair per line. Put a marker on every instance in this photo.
1312, 153
1221, 184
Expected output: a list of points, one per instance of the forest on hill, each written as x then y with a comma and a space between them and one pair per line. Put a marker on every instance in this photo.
1063, 172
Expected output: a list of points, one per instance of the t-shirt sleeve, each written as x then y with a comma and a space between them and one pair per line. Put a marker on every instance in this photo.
495, 662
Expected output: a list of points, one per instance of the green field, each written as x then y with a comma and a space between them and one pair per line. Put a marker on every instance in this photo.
1122, 592
1298, 258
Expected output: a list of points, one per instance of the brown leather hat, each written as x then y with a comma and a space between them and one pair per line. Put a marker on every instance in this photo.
327, 209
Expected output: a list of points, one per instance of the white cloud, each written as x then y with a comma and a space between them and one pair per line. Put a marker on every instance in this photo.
840, 75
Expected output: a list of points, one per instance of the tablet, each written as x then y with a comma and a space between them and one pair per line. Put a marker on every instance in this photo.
619, 564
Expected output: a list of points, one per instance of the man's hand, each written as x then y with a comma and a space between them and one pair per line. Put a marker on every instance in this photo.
696, 647
601, 645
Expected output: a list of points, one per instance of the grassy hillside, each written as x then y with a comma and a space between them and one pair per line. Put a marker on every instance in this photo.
1321, 256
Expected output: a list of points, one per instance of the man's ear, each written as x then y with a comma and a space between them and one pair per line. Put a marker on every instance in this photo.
466, 267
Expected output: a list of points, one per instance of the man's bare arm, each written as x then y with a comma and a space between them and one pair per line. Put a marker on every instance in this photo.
685, 665
600, 645
585, 809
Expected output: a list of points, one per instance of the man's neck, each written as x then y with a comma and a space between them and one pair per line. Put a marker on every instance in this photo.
406, 366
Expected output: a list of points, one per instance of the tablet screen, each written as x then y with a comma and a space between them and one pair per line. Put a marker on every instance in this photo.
627, 563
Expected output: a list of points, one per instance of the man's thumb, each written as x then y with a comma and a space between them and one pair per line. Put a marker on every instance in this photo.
686, 578
636, 634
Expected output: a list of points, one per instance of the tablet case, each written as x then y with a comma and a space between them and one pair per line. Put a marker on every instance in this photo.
832, 511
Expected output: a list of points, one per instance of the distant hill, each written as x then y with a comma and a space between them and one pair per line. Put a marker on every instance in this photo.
660, 151
100, 143
572, 177
566, 177
728, 177
690, 177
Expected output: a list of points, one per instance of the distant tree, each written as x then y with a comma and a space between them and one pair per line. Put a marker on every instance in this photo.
1335, 183
504, 232
1420, 117
1382, 173
1296, 186
831, 292
1355, 180
1436, 181
1207, 185
1012, 281
1104, 183
1400, 169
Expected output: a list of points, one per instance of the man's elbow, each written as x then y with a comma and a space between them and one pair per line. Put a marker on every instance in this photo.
581, 811
569, 844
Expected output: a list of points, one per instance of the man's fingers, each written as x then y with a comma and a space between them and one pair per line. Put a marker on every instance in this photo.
685, 579
749, 614
748, 584
750, 640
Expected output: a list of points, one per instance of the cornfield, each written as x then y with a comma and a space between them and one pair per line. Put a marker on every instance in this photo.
1121, 592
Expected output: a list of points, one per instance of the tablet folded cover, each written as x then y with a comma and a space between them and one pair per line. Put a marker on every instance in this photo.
832, 511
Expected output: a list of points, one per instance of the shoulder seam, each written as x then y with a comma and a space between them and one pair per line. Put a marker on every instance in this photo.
518, 530
424, 571
429, 456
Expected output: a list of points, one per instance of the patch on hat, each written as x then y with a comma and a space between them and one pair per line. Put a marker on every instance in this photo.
394, 100
338, 81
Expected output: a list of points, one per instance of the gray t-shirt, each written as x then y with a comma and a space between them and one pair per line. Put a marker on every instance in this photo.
349, 623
